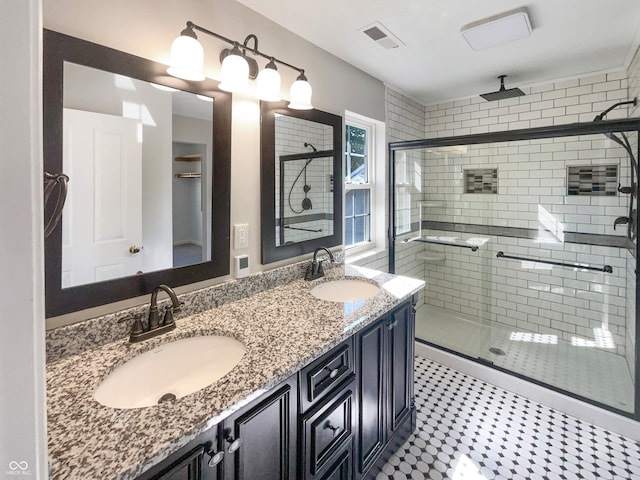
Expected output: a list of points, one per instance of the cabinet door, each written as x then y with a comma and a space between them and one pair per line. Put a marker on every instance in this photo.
260, 442
371, 404
401, 343
188, 463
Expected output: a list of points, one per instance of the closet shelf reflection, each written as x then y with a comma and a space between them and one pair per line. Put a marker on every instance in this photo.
188, 175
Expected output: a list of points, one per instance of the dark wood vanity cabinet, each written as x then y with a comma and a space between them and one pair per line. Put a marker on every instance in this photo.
260, 441
257, 442
338, 418
386, 413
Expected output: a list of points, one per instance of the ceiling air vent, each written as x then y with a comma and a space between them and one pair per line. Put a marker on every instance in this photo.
379, 34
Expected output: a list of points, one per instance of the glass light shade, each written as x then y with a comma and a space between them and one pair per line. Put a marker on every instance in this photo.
268, 85
234, 74
300, 95
187, 57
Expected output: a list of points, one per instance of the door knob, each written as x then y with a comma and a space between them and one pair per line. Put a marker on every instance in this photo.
134, 249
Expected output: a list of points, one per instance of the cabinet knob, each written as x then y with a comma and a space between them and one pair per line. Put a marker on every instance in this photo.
393, 325
234, 444
133, 249
216, 458
335, 430
333, 373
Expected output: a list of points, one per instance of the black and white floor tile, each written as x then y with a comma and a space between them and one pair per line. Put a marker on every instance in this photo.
468, 429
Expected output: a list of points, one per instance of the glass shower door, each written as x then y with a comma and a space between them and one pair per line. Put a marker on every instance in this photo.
451, 312
565, 291
526, 241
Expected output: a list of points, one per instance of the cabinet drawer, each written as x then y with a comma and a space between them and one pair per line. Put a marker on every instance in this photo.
319, 378
326, 432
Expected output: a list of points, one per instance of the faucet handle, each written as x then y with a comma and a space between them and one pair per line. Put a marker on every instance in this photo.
137, 328
167, 319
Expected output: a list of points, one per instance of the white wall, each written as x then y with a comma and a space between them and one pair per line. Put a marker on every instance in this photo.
147, 28
22, 379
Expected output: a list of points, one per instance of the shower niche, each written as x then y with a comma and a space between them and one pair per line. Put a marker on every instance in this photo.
526, 240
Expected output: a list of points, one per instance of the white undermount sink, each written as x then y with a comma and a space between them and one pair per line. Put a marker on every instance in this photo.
345, 290
170, 371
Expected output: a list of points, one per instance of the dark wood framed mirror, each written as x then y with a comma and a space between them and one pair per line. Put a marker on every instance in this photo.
149, 161
301, 181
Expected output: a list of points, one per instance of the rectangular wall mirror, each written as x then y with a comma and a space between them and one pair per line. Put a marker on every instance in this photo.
301, 201
148, 160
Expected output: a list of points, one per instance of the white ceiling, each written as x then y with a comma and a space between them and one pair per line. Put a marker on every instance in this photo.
570, 38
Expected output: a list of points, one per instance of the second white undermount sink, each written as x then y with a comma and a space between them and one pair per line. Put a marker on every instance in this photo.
345, 290
170, 371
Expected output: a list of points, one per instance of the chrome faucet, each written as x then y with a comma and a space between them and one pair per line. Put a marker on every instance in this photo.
155, 326
315, 269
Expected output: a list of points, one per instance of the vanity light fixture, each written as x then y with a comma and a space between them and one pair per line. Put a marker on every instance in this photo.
187, 57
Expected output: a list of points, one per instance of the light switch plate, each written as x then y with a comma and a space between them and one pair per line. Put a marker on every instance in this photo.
241, 236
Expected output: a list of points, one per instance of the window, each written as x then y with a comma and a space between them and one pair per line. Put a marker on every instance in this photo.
364, 183
357, 216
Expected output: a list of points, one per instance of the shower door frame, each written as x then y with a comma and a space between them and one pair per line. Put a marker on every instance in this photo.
568, 130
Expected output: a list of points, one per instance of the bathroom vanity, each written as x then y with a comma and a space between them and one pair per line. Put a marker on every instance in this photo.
324, 391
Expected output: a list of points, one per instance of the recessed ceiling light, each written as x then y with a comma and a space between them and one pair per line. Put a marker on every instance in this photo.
503, 28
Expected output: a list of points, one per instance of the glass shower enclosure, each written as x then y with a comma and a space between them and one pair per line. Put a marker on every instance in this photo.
526, 240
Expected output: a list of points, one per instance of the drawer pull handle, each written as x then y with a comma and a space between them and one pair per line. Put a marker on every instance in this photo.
333, 373
393, 325
335, 430
216, 458
235, 444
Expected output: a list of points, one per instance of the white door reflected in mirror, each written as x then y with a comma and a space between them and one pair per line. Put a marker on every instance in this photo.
122, 142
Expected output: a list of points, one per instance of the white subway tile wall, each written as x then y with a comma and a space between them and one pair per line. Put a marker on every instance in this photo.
532, 184
580, 307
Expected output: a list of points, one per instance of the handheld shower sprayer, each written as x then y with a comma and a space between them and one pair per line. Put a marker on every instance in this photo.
306, 201
631, 190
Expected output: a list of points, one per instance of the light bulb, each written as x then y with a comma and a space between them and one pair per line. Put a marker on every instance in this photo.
268, 83
187, 57
234, 72
300, 94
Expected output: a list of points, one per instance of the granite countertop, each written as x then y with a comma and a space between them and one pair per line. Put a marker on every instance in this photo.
283, 329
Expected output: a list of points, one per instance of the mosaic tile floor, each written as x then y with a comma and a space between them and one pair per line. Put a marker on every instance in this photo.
470, 430
593, 373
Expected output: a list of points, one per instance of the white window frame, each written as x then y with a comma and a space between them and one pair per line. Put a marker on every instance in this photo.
376, 155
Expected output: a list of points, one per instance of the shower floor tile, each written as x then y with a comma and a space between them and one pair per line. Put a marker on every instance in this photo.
592, 373
468, 429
